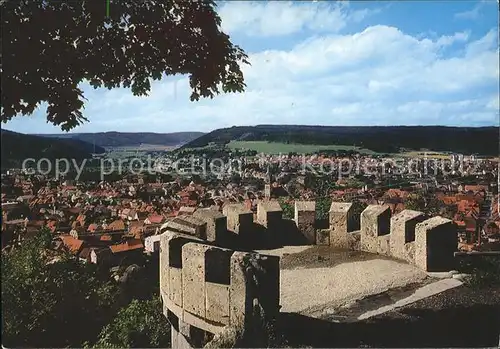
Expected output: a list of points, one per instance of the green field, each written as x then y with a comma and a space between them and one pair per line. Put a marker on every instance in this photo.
284, 148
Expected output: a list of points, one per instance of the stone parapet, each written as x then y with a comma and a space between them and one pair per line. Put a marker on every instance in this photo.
207, 288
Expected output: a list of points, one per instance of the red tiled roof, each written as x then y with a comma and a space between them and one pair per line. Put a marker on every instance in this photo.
116, 225
72, 244
156, 218
130, 245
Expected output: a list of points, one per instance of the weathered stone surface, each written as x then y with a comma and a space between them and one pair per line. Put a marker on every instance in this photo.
193, 278
185, 329
202, 323
269, 214
435, 242
354, 241
305, 206
175, 285
217, 303
305, 219
173, 308
384, 245
409, 252
245, 269
238, 300
375, 222
239, 218
340, 214
185, 210
170, 253
323, 237
216, 223
193, 226
186, 225
403, 232
164, 275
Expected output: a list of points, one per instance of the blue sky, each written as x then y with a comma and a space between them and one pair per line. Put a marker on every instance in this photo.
328, 63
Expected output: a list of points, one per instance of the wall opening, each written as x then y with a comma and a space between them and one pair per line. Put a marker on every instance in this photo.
384, 223
217, 266
175, 251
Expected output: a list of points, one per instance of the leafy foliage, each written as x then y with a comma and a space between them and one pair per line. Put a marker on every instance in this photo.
428, 204
288, 209
323, 207
484, 270
52, 304
50, 47
141, 325
320, 185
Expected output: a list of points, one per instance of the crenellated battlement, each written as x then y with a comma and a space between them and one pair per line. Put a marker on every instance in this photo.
211, 279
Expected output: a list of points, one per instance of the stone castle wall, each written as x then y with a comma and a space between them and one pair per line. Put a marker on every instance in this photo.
210, 281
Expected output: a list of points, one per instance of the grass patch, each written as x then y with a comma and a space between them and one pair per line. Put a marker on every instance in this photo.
284, 148
423, 154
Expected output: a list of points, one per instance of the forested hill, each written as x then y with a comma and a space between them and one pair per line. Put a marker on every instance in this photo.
18, 146
466, 140
127, 139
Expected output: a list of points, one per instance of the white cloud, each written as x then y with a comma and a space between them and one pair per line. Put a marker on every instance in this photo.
274, 18
378, 76
475, 12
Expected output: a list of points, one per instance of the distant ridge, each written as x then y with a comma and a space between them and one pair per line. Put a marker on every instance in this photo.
385, 139
18, 146
127, 139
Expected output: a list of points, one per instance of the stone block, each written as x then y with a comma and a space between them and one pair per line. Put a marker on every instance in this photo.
175, 286
354, 241
239, 303
239, 218
384, 245
339, 216
217, 303
436, 240
185, 329
375, 222
178, 340
186, 211
186, 225
193, 226
323, 237
403, 232
269, 214
216, 223
305, 219
409, 252
202, 323
193, 278
173, 308
170, 255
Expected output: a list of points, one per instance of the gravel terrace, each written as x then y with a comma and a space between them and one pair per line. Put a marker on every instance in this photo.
316, 280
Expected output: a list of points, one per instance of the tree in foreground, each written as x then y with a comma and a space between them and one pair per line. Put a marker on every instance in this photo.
139, 325
51, 47
59, 304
